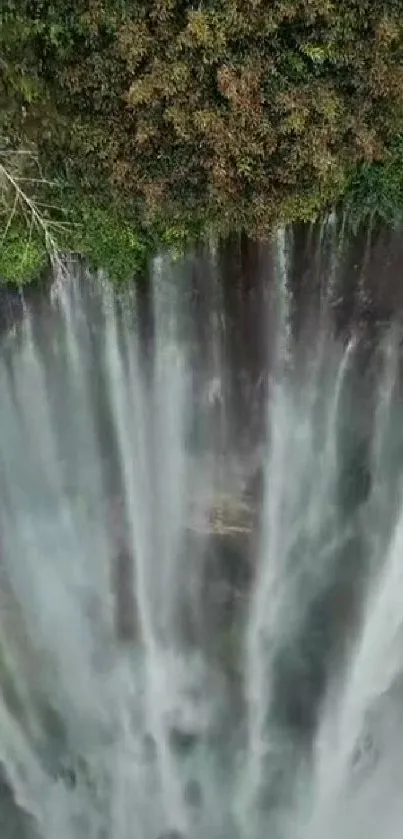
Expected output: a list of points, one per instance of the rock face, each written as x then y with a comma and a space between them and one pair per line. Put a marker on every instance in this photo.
218, 553
227, 559
122, 574
171, 833
193, 793
11, 307
231, 518
15, 823
182, 742
125, 606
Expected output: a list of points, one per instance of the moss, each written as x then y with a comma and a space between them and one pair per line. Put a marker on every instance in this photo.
109, 240
375, 191
23, 254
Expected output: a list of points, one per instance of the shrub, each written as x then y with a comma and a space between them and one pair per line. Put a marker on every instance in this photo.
224, 114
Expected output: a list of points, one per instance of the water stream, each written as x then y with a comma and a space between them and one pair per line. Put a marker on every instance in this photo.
201, 552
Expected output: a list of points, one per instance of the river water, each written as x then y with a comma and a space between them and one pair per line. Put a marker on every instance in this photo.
201, 546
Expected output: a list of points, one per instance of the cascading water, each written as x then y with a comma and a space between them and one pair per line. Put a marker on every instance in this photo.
188, 649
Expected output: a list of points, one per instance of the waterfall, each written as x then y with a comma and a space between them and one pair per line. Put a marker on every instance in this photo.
201, 574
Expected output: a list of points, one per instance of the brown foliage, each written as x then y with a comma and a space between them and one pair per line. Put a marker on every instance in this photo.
254, 108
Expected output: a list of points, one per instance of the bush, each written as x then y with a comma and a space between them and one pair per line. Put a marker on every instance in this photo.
23, 254
188, 117
108, 240
376, 190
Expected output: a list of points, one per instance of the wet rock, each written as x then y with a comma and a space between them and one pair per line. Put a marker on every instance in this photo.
150, 747
193, 793
125, 606
228, 521
365, 753
355, 479
54, 726
171, 833
11, 307
232, 562
68, 775
182, 741
218, 565
229, 514
15, 823
255, 487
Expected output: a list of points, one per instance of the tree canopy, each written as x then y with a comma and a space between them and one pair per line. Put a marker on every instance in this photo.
235, 114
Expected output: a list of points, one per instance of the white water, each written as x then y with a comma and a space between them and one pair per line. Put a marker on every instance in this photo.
119, 716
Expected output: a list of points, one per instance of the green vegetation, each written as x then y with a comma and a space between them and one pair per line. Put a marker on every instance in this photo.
158, 121
376, 189
22, 255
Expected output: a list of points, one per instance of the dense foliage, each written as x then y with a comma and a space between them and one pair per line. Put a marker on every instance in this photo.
375, 190
221, 114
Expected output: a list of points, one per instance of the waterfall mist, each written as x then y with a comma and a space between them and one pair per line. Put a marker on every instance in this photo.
201, 549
